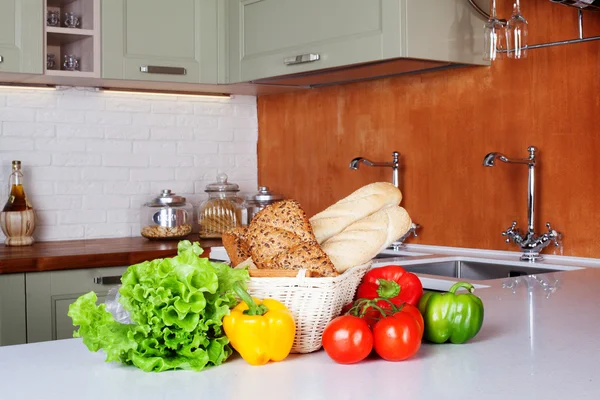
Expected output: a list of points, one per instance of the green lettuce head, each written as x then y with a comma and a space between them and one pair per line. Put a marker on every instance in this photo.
177, 306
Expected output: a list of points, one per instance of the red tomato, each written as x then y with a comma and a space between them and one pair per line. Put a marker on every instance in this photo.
414, 311
347, 339
398, 336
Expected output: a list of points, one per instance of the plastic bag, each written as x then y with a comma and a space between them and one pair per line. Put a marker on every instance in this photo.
119, 313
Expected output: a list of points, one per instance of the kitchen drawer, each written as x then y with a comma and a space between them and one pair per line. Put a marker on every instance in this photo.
49, 295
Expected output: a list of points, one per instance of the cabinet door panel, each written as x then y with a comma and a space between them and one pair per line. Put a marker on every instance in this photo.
49, 295
156, 33
21, 36
341, 32
12, 309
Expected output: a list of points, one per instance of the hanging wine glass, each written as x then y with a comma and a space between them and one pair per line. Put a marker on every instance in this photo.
516, 33
494, 40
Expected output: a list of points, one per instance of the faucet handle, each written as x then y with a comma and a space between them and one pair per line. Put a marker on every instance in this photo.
413, 229
511, 232
554, 235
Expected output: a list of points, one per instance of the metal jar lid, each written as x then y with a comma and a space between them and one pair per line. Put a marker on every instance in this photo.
264, 196
221, 185
166, 198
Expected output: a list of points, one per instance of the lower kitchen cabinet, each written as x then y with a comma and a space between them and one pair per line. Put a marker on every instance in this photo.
49, 295
12, 309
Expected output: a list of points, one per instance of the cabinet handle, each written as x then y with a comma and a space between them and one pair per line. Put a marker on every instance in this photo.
1, 59
301, 59
157, 69
107, 280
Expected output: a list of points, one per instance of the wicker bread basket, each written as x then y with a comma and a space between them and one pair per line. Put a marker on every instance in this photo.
313, 301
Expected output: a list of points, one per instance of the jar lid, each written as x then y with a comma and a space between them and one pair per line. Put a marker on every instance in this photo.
264, 195
166, 198
221, 185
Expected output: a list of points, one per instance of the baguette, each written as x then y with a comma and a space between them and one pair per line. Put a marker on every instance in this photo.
364, 239
358, 205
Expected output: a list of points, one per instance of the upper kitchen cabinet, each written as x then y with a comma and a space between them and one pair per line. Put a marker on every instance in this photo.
21, 36
157, 40
274, 38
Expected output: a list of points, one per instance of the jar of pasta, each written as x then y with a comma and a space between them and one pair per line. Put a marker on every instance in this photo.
223, 209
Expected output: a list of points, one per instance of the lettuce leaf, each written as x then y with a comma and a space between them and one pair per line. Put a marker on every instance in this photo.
177, 306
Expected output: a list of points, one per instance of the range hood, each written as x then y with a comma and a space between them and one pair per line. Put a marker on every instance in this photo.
407, 37
358, 72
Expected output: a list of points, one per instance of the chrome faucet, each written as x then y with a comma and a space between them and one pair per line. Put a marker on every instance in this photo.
355, 163
531, 244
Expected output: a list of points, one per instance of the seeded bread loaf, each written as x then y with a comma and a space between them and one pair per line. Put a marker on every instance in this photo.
358, 205
234, 241
281, 237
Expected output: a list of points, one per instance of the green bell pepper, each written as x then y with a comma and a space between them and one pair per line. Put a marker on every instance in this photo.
451, 317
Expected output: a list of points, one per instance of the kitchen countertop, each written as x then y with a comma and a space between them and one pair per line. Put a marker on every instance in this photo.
92, 253
538, 341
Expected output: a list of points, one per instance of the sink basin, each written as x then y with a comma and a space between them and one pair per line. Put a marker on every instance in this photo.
476, 270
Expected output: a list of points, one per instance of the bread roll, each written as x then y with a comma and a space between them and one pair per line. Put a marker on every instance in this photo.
363, 202
234, 241
364, 239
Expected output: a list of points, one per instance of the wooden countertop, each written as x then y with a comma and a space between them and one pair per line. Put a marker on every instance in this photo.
93, 253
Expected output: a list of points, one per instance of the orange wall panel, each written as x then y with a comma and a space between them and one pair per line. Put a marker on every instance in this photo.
443, 123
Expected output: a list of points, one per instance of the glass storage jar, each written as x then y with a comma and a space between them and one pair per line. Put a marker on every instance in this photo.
257, 201
167, 216
223, 209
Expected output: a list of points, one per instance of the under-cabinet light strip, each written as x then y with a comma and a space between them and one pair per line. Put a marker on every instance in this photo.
32, 87
166, 93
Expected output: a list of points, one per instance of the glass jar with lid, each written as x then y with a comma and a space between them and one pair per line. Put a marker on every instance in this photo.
167, 216
257, 201
223, 209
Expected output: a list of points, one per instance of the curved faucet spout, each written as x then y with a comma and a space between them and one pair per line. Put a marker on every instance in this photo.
355, 163
490, 160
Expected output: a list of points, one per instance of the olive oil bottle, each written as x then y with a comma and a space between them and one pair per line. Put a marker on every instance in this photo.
17, 218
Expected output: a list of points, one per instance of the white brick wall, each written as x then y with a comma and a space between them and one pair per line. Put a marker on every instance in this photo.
92, 159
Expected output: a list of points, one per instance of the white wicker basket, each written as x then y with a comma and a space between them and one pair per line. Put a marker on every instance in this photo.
313, 301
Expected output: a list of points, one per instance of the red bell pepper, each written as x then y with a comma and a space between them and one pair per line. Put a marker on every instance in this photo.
391, 282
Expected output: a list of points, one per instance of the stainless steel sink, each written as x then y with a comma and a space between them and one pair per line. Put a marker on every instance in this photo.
474, 270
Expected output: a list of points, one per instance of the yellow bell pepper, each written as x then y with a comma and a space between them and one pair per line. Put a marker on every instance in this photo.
259, 331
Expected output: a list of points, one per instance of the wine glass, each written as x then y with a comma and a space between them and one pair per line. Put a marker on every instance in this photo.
516, 33
493, 36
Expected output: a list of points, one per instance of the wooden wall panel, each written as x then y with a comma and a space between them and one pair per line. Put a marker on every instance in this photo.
443, 123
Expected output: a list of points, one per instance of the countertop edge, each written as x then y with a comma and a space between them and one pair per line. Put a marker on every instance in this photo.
92, 253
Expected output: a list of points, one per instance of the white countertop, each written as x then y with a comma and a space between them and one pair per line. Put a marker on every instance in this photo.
533, 345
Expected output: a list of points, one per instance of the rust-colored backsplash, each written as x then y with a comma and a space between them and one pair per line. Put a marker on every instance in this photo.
443, 123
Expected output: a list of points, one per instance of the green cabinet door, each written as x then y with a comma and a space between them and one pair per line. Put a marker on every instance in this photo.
49, 295
158, 40
280, 37
12, 309
21, 36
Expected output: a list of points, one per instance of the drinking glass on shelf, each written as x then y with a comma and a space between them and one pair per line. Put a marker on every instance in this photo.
516, 33
50, 61
53, 18
70, 63
71, 20
493, 36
